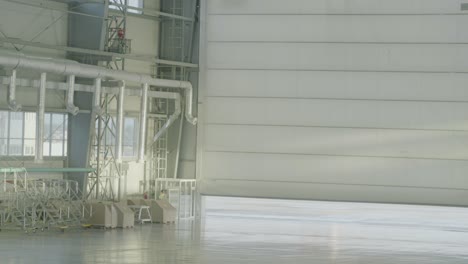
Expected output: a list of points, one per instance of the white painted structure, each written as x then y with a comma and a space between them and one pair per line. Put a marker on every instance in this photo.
335, 100
26, 22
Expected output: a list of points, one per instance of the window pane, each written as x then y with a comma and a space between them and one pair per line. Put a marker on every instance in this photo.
47, 134
110, 133
128, 151
130, 137
134, 3
57, 148
129, 129
3, 146
18, 133
16, 147
29, 147
29, 125
16, 124
65, 124
3, 132
57, 126
65, 134
46, 150
3, 124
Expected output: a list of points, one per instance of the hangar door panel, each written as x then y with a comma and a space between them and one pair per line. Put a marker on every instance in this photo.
335, 100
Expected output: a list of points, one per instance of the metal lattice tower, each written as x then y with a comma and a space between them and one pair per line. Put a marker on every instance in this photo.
160, 151
104, 184
116, 40
101, 184
174, 46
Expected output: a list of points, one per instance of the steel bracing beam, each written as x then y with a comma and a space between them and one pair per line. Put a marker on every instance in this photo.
136, 57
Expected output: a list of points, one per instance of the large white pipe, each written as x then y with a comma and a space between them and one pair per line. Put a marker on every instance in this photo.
71, 108
120, 124
68, 67
143, 117
12, 104
129, 91
97, 96
169, 122
40, 119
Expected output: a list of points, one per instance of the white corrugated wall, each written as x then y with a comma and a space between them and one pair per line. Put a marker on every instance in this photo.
356, 100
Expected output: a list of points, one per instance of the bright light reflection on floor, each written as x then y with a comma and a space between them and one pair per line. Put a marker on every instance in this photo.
330, 232
264, 231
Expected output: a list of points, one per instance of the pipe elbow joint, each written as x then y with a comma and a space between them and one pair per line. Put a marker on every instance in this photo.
73, 109
192, 120
14, 106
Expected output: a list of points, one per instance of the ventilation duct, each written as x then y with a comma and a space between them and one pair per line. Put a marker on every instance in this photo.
40, 119
143, 117
67, 67
12, 104
71, 108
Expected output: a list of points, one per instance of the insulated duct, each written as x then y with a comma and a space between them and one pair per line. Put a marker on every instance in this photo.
169, 122
68, 67
97, 96
143, 117
12, 104
120, 124
40, 119
71, 108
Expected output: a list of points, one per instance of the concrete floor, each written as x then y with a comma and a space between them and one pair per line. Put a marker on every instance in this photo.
264, 231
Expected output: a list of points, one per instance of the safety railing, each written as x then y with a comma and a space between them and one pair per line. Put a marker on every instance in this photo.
180, 193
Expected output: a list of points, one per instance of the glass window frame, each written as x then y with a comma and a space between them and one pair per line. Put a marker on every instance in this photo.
140, 4
23, 153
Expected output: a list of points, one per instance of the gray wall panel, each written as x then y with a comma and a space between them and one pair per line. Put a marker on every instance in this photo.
337, 192
314, 28
248, 167
359, 100
337, 141
337, 113
337, 85
337, 57
259, 7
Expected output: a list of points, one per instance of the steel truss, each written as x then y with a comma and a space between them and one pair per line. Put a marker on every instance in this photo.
116, 40
105, 182
177, 38
30, 204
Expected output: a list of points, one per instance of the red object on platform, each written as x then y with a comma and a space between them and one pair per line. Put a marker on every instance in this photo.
121, 33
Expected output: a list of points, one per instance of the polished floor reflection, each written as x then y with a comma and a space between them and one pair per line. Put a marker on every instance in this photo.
264, 231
